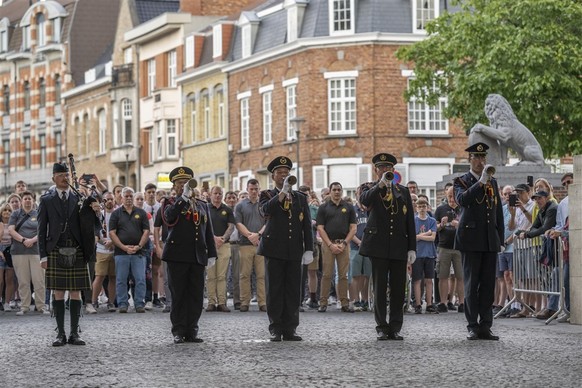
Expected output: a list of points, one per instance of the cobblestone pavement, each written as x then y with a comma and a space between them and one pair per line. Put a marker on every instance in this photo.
339, 349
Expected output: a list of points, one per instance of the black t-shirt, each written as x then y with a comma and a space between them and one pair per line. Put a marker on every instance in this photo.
336, 219
221, 216
446, 235
128, 227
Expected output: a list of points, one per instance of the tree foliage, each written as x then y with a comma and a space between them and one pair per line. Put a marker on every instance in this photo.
529, 51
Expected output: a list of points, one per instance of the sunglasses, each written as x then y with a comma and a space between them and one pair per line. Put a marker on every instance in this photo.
566, 183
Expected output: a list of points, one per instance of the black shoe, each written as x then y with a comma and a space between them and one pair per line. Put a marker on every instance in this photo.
237, 306
395, 336
275, 337
442, 308
381, 336
486, 334
473, 335
291, 337
61, 340
191, 338
451, 307
461, 308
178, 339
74, 339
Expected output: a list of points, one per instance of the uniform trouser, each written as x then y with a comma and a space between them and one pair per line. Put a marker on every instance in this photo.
343, 266
235, 272
187, 288
27, 269
216, 277
397, 270
283, 279
479, 270
248, 260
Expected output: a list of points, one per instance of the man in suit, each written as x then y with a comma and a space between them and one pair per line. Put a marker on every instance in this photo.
389, 241
189, 248
286, 243
479, 237
63, 223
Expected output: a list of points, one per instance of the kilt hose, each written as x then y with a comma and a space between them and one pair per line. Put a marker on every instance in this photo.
71, 279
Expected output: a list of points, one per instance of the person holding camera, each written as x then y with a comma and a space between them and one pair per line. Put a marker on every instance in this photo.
389, 241
479, 237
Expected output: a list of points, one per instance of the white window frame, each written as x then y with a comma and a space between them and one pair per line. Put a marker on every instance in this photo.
219, 93
58, 145
151, 76
247, 48
128, 55
27, 152
421, 14
205, 97
189, 51
3, 41
268, 116
151, 148
102, 118
424, 119
217, 41
126, 117
244, 101
291, 107
172, 138
26, 38
292, 33
87, 126
57, 30
116, 134
334, 15
342, 108
193, 117
42, 145
317, 184
40, 30
172, 68
159, 133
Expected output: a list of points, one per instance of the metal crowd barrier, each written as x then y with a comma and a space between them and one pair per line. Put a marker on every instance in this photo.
530, 276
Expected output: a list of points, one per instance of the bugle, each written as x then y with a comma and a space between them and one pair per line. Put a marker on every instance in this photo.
192, 183
291, 180
490, 170
388, 176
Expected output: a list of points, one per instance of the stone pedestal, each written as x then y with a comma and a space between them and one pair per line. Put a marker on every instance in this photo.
575, 214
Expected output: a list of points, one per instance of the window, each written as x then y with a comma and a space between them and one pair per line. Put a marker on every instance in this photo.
128, 56
267, 118
151, 76
246, 41
87, 126
221, 111
217, 41
42, 93
6, 98
341, 16
150, 146
6, 146
172, 68
342, 103
102, 131
26, 95
159, 140
424, 119
291, 92
40, 30
26, 38
126, 118
58, 89
206, 105
3, 41
244, 123
190, 51
424, 11
59, 144
57, 30
192, 104
78, 132
171, 137
27, 153
42, 141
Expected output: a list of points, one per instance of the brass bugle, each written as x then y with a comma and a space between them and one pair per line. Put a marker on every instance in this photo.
490, 170
388, 176
192, 183
291, 180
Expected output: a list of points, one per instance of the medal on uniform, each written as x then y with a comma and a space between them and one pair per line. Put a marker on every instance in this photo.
196, 217
388, 196
300, 216
404, 209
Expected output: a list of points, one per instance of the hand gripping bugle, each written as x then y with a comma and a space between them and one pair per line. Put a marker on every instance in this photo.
291, 180
490, 170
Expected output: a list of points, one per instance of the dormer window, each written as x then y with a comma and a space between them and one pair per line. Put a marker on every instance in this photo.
217, 41
249, 25
341, 17
40, 30
26, 38
189, 51
4, 25
57, 30
424, 11
246, 41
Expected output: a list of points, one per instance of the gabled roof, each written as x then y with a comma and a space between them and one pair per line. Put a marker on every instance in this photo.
149, 9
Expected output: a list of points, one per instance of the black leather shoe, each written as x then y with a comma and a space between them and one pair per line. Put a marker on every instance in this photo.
394, 336
291, 337
61, 340
191, 338
275, 337
178, 339
381, 336
486, 334
473, 335
74, 339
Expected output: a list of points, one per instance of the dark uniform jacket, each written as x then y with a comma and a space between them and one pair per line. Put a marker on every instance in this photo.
481, 226
190, 236
286, 236
390, 232
82, 223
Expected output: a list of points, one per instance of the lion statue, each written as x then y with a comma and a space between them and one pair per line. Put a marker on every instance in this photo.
505, 132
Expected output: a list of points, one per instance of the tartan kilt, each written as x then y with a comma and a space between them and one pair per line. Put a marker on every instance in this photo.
63, 279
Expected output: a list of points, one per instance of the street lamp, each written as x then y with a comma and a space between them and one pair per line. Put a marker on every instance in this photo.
297, 121
127, 147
